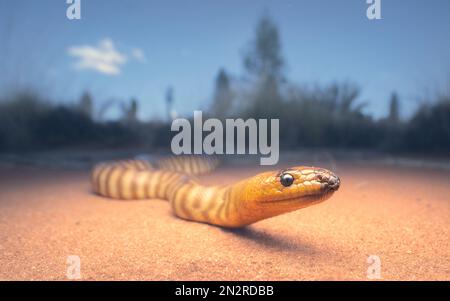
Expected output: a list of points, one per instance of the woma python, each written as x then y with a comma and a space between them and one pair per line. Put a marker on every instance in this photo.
250, 200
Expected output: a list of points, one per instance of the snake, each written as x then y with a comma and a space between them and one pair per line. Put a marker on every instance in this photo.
236, 205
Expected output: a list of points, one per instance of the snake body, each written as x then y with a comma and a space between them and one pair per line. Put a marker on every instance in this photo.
250, 200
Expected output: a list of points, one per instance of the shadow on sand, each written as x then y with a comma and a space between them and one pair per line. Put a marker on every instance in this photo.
279, 243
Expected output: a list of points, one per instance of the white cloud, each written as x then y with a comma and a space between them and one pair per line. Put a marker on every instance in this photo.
139, 55
103, 58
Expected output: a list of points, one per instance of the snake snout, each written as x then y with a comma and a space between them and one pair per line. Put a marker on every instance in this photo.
331, 181
334, 182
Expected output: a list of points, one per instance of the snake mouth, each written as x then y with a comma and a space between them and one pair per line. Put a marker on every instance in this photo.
313, 197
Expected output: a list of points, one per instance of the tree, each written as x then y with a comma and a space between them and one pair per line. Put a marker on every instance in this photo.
85, 104
129, 112
264, 59
223, 96
394, 109
264, 62
169, 103
133, 110
346, 97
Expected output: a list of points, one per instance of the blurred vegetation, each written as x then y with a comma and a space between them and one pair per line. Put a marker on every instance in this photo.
28, 122
329, 116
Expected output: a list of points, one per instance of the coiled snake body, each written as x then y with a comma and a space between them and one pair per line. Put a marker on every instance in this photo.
262, 196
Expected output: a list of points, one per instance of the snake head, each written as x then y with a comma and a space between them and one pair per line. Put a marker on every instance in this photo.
277, 192
306, 182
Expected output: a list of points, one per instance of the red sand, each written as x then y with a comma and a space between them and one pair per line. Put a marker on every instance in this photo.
401, 215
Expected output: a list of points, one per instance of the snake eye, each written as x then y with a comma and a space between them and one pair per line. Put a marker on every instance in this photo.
286, 179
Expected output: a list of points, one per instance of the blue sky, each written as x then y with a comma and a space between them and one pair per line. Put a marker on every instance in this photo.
154, 44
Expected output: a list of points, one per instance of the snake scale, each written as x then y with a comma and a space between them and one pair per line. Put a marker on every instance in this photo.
250, 200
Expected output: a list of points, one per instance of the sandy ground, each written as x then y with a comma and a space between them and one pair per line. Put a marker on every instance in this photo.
401, 215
